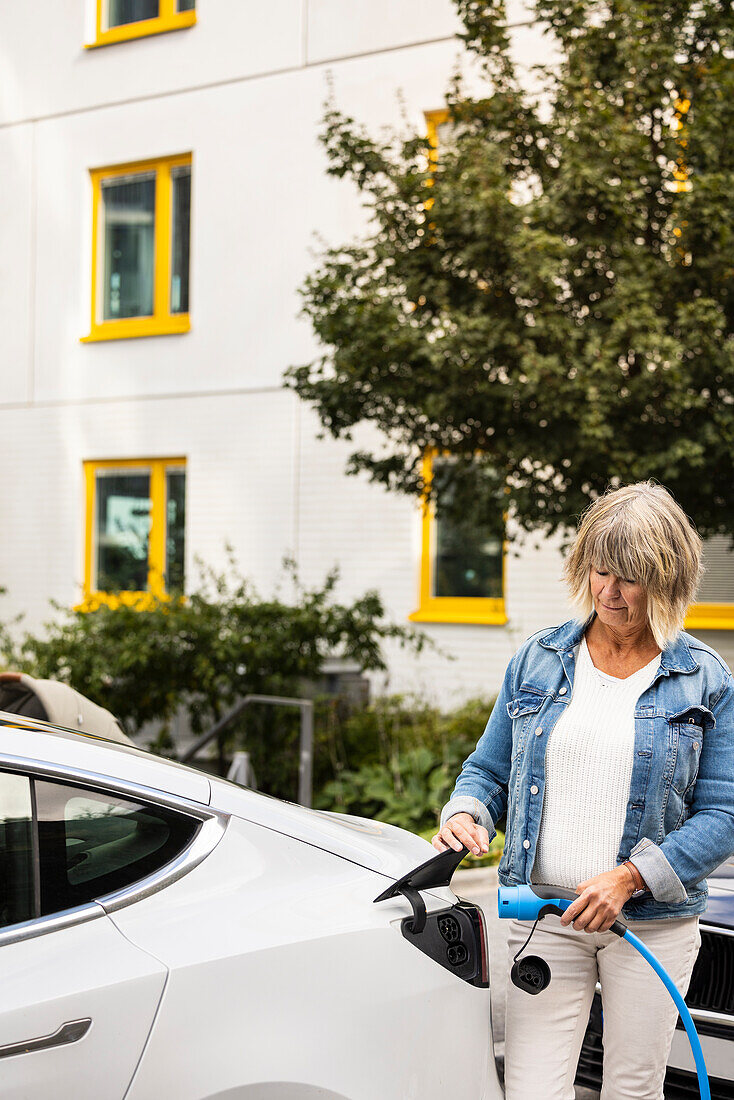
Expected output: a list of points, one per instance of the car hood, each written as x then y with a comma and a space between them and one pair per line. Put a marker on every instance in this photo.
720, 906
380, 847
723, 877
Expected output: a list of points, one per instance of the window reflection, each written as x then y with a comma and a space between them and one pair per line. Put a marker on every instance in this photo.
91, 844
17, 891
181, 205
129, 246
137, 530
123, 531
468, 557
121, 12
717, 584
175, 526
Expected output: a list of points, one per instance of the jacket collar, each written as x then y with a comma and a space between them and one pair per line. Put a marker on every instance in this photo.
566, 636
676, 657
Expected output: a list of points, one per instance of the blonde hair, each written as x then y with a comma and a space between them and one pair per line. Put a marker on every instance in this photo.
641, 534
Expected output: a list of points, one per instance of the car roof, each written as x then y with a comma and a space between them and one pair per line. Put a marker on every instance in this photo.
29, 739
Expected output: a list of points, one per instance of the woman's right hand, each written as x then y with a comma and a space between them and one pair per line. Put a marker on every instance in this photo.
462, 829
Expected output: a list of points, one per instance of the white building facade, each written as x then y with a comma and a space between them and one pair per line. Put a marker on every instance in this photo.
163, 184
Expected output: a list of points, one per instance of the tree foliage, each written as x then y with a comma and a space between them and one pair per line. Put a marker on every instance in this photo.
551, 298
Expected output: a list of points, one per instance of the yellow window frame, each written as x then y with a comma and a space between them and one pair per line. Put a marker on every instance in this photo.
449, 609
158, 468
434, 119
701, 616
168, 19
162, 322
446, 609
710, 616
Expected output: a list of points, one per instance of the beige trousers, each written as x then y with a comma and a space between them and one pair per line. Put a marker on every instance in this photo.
544, 1032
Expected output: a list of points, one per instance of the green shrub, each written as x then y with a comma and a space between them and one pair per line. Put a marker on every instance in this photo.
206, 650
395, 760
399, 763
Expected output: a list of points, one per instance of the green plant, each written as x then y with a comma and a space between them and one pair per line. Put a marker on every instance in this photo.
405, 763
405, 793
206, 650
550, 298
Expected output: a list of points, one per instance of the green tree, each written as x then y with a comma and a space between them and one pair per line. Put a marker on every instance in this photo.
552, 300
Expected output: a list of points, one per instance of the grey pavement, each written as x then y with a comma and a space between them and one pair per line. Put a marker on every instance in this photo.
480, 886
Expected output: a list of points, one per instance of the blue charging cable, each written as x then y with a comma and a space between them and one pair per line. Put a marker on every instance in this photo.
536, 901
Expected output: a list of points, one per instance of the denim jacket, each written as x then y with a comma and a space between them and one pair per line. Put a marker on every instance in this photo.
679, 822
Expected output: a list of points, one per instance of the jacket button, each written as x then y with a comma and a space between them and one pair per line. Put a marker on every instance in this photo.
538, 731
562, 691
533, 789
695, 744
526, 844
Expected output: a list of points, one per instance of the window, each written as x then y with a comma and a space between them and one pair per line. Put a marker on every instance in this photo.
120, 20
91, 844
462, 565
715, 607
438, 128
135, 527
141, 216
62, 846
461, 570
19, 894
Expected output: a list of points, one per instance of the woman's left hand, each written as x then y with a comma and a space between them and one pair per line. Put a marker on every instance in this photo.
600, 901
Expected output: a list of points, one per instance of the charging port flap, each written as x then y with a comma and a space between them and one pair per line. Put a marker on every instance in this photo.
455, 937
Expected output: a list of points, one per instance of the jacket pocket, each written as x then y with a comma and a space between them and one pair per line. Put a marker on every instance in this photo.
687, 729
521, 708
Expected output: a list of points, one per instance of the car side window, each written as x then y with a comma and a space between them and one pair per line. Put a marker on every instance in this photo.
17, 884
92, 843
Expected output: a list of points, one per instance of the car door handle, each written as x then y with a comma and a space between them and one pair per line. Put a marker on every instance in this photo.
70, 1032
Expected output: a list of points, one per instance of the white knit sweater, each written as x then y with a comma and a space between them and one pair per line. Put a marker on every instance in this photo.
588, 768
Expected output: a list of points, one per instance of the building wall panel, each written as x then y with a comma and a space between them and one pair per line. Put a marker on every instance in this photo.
17, 269
252, 241
375, 25
47, 71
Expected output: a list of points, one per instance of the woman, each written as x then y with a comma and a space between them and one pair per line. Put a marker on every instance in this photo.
611, 750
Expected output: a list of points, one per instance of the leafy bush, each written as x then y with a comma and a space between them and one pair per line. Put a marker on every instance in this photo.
405, 794
401, 761
208, 649
394, 761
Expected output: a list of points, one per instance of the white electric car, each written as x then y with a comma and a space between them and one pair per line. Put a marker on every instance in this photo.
169, 936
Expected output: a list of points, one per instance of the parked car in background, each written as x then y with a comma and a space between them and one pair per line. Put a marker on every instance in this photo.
710, 999
164, 933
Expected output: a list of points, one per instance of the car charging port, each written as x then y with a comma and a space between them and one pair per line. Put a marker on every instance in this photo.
449, 929
456, 939
457, 954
